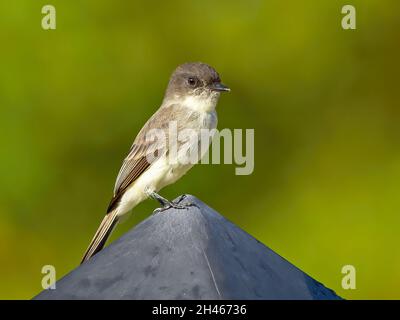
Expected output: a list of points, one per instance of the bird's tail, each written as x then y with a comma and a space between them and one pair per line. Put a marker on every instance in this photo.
101, 235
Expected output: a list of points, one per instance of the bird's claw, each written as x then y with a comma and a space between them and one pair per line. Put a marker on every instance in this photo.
174, 206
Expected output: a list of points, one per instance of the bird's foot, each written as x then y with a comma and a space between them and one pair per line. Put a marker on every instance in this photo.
187, 204
166, 204
170, 205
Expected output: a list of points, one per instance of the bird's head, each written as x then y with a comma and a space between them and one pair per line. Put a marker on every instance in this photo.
196, 83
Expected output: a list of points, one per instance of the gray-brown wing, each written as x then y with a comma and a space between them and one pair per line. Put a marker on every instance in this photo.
144, 151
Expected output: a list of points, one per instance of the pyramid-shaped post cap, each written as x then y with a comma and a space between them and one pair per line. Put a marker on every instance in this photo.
191, 253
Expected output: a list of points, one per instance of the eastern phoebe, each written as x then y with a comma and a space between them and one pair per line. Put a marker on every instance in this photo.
190, 100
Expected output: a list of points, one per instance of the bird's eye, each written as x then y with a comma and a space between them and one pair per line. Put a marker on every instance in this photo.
192, 82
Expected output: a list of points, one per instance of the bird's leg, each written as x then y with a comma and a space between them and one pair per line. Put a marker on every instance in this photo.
166, 204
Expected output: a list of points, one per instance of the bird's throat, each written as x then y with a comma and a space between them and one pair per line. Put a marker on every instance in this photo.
201, 103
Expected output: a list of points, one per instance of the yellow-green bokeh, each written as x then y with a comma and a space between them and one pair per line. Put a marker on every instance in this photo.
324, 103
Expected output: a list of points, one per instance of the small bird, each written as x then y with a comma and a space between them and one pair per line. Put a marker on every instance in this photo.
190, 101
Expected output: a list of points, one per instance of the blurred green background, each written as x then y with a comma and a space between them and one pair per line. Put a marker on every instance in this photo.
324, 103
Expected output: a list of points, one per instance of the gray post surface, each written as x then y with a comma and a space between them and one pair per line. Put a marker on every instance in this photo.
192, 253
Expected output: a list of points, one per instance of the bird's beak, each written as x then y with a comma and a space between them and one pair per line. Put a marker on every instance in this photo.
218, 86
